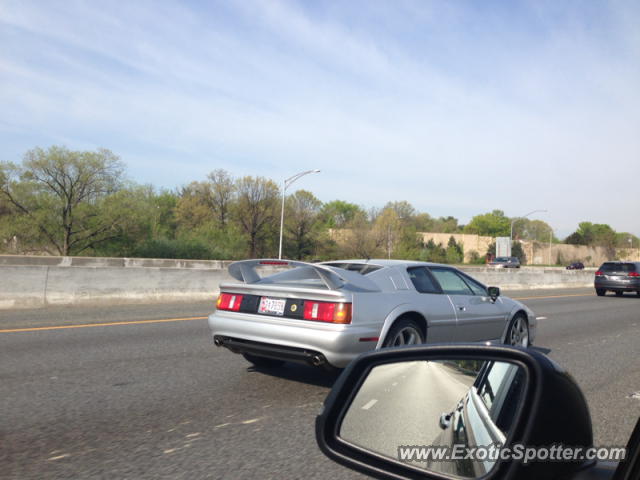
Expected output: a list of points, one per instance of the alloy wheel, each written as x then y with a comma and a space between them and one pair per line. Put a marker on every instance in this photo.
406, 336
519, 333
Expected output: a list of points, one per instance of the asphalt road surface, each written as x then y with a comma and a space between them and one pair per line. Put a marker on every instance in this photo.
401, 404
157, 400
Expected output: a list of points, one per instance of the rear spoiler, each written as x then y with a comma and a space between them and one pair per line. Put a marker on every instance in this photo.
333, 277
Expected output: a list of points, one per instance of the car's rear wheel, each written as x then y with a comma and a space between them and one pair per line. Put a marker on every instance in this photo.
600, 292
619, 294
404, 332
518, 333
262, 361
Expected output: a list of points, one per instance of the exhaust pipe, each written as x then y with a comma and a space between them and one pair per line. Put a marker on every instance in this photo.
318, 360
217, 343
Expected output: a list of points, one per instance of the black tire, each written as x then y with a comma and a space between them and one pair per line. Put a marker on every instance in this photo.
600, 292
518, 332
263, 361
619, 294
404, 332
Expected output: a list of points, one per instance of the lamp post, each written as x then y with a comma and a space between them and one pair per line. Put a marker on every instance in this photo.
520, 218
550, 236
285, 185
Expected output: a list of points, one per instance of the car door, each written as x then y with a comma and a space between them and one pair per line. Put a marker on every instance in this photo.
435, 304
478, 317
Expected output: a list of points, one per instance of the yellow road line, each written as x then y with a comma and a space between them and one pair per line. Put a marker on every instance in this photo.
102, 324
202, 318
557, 296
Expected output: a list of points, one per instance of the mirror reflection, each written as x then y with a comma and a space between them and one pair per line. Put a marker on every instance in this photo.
444, 403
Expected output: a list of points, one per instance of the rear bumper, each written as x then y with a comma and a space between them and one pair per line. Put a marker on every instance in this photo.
292, 340
630, 285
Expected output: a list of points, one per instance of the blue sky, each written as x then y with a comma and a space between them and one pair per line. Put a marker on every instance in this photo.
457, 107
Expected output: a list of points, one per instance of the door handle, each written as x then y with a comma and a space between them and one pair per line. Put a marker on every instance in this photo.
461, 307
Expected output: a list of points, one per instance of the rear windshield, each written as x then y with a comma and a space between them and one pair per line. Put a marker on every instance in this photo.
361, 268
618, 267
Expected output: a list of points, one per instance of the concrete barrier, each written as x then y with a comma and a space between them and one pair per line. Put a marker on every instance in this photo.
38, 287
531, 278
88, 281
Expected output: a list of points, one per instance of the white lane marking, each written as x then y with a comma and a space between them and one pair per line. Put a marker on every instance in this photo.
193, 435
541, 318
394, 384
250, 421
369, 405
59, 457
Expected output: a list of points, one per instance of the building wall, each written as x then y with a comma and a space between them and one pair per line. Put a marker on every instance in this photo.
539, 254
471, 242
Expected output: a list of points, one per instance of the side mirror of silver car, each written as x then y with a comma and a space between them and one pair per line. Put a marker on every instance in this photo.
494, 292
383, 417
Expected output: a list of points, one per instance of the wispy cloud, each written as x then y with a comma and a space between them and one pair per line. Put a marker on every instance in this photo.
457, 107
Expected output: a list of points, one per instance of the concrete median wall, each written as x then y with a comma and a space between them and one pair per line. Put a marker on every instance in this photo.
44, 286
533, 278
64, 282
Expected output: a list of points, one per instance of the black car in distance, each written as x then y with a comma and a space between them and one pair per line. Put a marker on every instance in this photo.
575, 266
618, 277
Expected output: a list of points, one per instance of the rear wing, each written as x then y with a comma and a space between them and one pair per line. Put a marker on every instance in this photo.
334, 278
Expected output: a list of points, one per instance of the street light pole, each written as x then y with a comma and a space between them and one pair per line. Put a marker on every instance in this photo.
520, 218
285, 185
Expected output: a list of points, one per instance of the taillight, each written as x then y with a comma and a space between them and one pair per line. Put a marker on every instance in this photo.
633, 274
327, 312
598, 273
273, 263
229, 301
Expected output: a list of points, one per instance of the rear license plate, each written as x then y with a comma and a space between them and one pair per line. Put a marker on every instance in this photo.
613, 277
272, 306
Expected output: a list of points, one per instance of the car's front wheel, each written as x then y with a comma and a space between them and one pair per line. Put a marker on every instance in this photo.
263, 361
404, 332
518, 333
600, 292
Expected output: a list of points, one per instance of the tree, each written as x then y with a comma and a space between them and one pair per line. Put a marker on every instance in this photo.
533, 230
518, 252
338, 213
454, 253
301, 215
66, 201
433, 253
359, 240
192, 208
255, 210
219, 193
403, 210
423, 222
494, 224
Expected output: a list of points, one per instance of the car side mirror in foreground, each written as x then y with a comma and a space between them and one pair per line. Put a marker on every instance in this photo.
463, 410
494, 292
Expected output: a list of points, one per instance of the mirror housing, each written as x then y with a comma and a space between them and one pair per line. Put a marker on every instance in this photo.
494, 292
553, 410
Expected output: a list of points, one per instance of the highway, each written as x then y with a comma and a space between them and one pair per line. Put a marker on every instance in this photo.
141, 392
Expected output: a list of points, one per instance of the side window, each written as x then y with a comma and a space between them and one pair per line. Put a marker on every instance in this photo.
488, 391
422, 280
475, 287
450, 282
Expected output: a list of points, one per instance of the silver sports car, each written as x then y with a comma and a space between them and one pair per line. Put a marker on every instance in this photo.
329, 313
